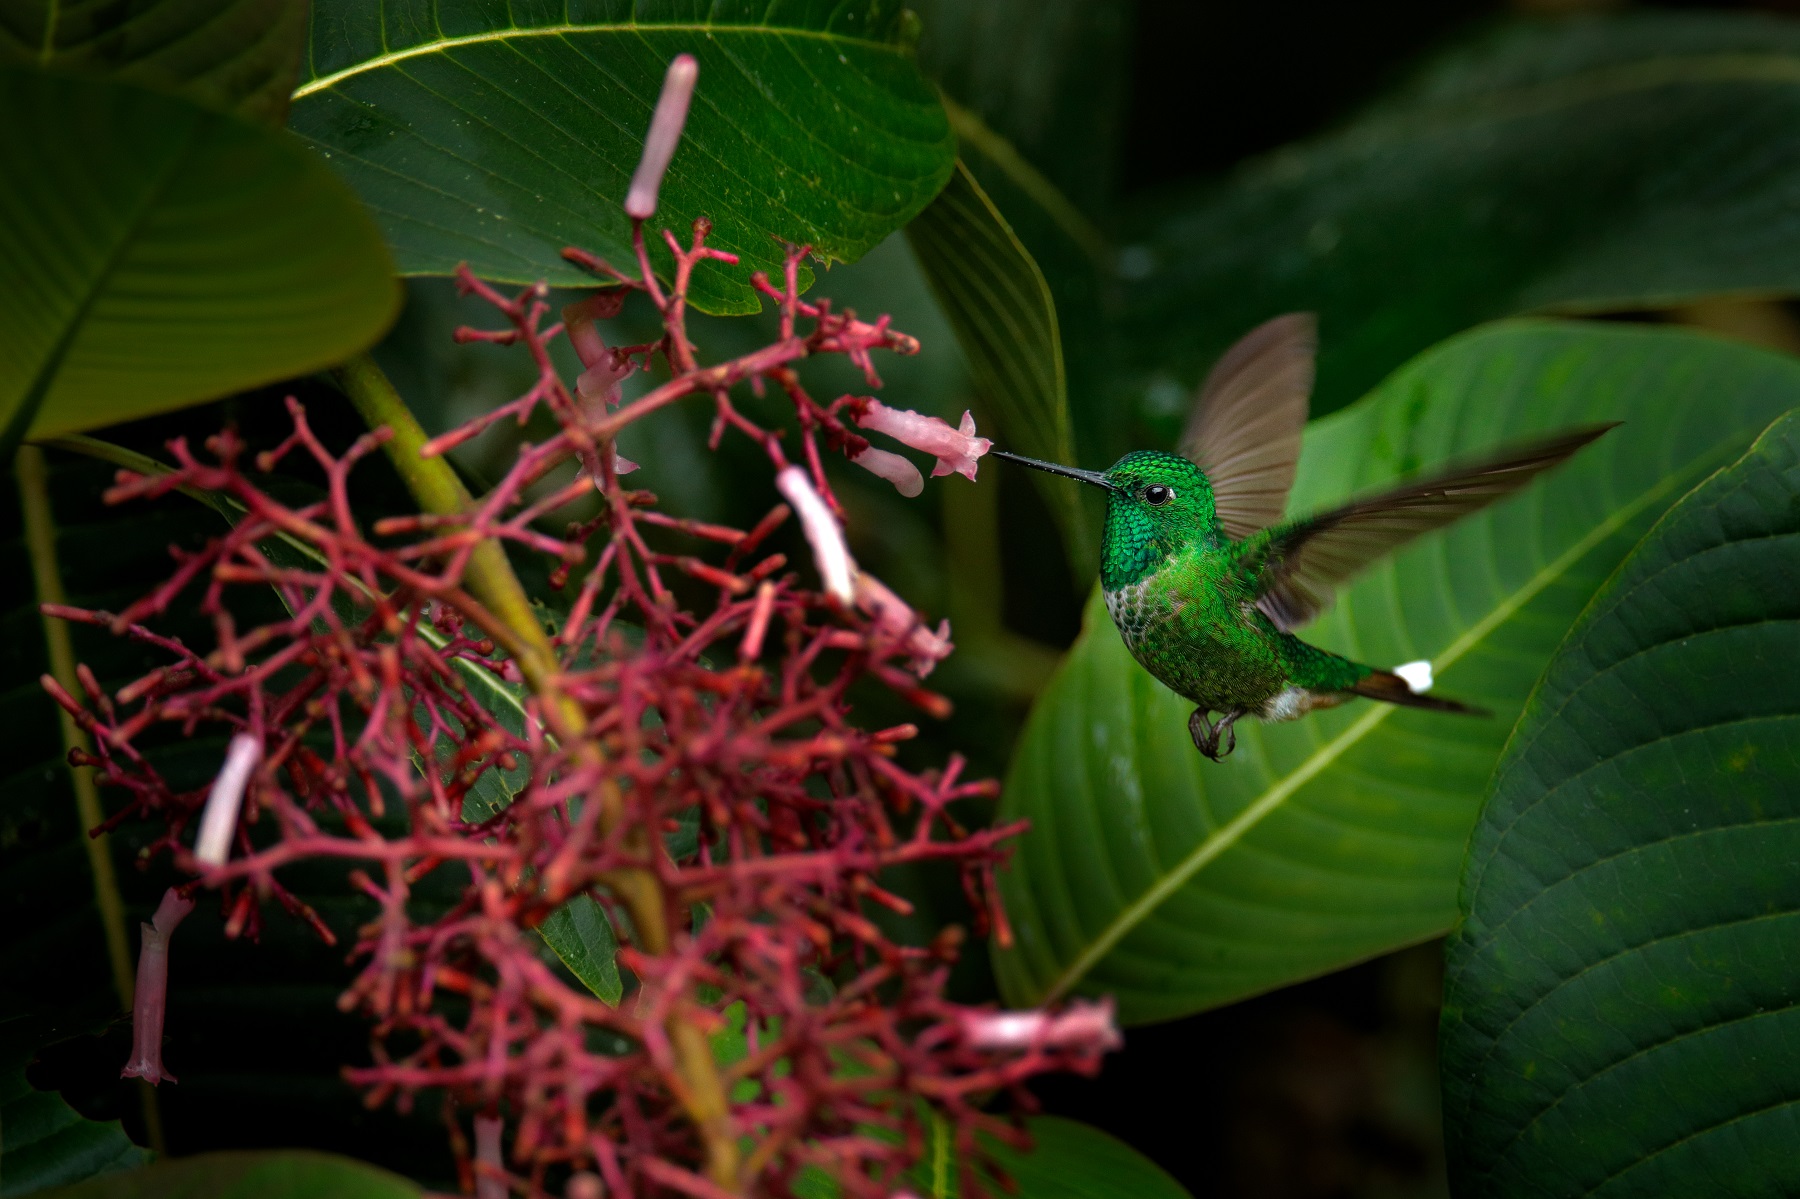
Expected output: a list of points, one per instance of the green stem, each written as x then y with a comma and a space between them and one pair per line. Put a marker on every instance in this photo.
489, 578
40, 545
433, 483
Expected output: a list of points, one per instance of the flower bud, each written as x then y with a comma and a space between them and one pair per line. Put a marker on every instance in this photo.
897, 470
836, 568
219, 819
665, 130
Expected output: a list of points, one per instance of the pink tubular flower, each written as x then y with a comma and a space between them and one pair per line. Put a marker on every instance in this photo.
149, 1004
665, 130
955, 449
219, 820
836, 567
1080, 1027
490, 1169
897, 470
897, 619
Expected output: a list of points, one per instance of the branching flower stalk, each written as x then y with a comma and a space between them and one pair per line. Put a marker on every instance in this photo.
691, 767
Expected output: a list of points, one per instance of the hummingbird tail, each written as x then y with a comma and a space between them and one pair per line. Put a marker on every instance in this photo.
1391, 688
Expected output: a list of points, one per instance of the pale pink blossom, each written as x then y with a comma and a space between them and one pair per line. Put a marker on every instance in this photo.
665, 131
150, 1001
1080, 1027
895, 617
955, 449
830, 554
897, 470
490, 1169
219, 819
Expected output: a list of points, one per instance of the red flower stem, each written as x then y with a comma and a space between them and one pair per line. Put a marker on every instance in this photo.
502, 604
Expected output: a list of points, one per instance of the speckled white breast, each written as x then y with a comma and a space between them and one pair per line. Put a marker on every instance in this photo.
1130, 609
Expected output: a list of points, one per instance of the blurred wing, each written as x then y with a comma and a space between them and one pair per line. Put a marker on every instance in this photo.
1244, 430
1309, 559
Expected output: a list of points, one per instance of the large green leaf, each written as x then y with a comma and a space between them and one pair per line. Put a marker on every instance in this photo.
1071, 1160
1176, 883
43, 1141
267, 1174
1598, 164
154, 254
1005, 321
497, 134
1068, 1160
240, 56
1622, 1009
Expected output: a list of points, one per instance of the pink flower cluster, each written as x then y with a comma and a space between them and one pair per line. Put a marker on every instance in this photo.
956, 450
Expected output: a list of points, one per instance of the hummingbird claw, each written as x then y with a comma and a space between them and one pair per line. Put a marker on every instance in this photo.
1207, 735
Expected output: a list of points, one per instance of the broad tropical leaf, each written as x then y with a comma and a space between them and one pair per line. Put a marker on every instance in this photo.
1178, 884
43, 1141
1072, 1160
238, 56
1622, 1011
1576, 165
154, 254
1005, 320
265, 1174
498, 135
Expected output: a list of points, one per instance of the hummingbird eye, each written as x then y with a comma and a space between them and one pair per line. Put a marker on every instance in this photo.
1156, 495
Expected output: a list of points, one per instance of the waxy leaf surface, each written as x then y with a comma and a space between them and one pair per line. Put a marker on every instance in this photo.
43, 1141
154, 254
1005, 321
265, 1174
1622, 1009
1178, 884
497, 135
238, 56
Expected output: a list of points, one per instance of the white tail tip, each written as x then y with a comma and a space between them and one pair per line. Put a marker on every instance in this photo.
1416, 675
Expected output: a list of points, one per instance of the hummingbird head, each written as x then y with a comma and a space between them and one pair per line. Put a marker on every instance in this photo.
1156, 504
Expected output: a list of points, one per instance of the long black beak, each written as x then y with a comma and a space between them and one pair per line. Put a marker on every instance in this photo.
1086, 476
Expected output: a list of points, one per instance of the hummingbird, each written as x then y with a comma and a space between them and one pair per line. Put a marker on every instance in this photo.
1207, 582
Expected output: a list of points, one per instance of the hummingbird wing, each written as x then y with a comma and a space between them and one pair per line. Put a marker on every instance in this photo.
1244, 428
1307, 559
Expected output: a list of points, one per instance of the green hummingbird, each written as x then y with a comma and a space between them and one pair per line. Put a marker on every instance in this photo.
1207, 583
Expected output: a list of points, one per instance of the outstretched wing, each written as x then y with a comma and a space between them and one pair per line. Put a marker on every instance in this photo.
1308, 559
1244, 429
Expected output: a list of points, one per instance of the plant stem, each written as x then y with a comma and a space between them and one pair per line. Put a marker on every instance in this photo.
40, 544
490, 580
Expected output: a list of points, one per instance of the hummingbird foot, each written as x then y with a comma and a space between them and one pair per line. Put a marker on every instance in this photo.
1207, 735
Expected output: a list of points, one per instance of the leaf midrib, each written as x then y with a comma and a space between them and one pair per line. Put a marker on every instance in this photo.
1234, 831
441, 45
32, 402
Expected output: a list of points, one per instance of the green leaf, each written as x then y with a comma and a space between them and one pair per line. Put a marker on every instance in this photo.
237, 56
259, 1174
1587, 165
157, 254
497, 135
581, 935
1005, 321
1178, 884
1076, 1161
43, 1141
1622, 1010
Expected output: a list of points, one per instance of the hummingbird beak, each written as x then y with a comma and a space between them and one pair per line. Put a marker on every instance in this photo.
1095, 477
